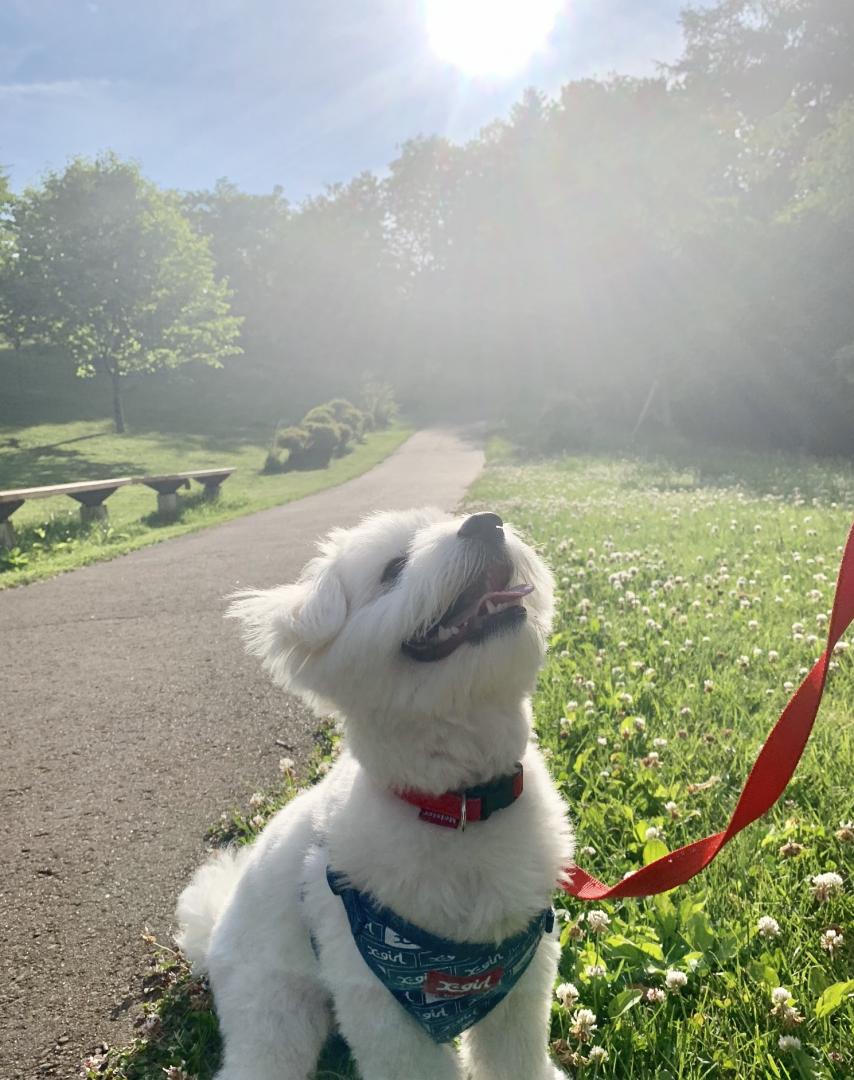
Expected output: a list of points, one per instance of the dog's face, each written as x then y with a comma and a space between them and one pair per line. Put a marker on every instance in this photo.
414, 611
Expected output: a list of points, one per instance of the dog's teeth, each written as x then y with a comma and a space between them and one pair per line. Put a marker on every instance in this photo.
454, 631
490, 607
443, 633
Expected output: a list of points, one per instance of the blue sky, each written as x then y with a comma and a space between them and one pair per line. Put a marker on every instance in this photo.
296, 92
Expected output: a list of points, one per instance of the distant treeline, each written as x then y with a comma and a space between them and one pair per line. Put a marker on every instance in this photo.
667, 254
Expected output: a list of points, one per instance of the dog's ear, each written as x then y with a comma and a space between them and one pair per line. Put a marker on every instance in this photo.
305, 616
323, 610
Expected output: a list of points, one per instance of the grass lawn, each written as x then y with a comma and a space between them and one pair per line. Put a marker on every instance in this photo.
692, 597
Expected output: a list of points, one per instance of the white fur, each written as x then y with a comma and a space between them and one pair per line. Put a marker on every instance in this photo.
334, 637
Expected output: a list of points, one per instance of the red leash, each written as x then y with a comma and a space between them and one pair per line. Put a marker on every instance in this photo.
768, 778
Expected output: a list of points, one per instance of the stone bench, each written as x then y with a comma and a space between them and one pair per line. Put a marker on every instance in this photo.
92, 493
89, 493
167, 485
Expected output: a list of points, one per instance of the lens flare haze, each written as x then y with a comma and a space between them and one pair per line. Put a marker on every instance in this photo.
489, 37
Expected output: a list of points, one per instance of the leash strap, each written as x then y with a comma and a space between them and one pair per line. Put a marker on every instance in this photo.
767, 781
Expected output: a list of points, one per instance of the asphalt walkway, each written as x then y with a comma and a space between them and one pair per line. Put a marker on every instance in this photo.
129, 719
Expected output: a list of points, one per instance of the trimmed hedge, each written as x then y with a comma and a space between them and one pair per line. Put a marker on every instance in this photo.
326, 431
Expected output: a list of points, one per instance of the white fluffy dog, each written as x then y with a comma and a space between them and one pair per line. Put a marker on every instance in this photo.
423, 634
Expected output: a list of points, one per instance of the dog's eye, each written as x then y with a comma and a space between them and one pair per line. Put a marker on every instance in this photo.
392, 570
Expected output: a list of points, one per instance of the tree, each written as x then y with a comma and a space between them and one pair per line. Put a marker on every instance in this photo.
772, 71
109, 268
12, 324
243, 232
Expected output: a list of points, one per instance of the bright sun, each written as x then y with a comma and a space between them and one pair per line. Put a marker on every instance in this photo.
489, 37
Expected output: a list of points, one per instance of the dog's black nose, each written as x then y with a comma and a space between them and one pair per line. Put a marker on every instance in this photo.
486, 527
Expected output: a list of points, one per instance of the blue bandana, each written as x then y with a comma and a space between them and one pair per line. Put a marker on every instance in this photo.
444, 985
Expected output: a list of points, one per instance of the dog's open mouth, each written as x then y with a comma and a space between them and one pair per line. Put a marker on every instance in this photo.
488, 606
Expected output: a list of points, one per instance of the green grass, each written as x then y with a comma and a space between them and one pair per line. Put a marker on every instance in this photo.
50, 536
682, 589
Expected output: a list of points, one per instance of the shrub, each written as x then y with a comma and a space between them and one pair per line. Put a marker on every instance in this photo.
320, 444
345, 412
273, 462
292, 438
325, 431
378, 402
321, 414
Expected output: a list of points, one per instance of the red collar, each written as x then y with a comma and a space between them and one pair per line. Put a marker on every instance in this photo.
456, 809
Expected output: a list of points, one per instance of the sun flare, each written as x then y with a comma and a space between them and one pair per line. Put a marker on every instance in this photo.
489, 37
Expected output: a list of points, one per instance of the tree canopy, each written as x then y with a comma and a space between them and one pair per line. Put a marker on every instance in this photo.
666, 253
106, 266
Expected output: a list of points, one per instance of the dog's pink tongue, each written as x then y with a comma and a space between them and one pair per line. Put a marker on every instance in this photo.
504, 596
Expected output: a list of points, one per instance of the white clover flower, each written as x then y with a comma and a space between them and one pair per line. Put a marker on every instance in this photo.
708, 686
583, 1024
594, 971
597, 1055
659, 743
257, 822
767, 927
780, 995
825, 885
286, 765
743, 661
789, 1042
675, 980
773, 656
653, 833
685, 710
672, 808
256, 799
655, 995
639, 723
832, 940
602, 741
567, 994
598, 921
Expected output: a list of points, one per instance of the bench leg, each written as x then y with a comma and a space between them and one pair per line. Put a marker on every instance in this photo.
90, 514
211, 491
7, 535
167, 503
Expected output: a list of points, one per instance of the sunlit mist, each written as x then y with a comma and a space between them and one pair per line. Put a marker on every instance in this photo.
489, 37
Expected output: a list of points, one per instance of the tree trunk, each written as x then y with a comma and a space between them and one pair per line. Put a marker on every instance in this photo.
118, 409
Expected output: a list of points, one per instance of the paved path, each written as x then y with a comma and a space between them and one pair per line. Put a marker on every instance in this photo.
129, 719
